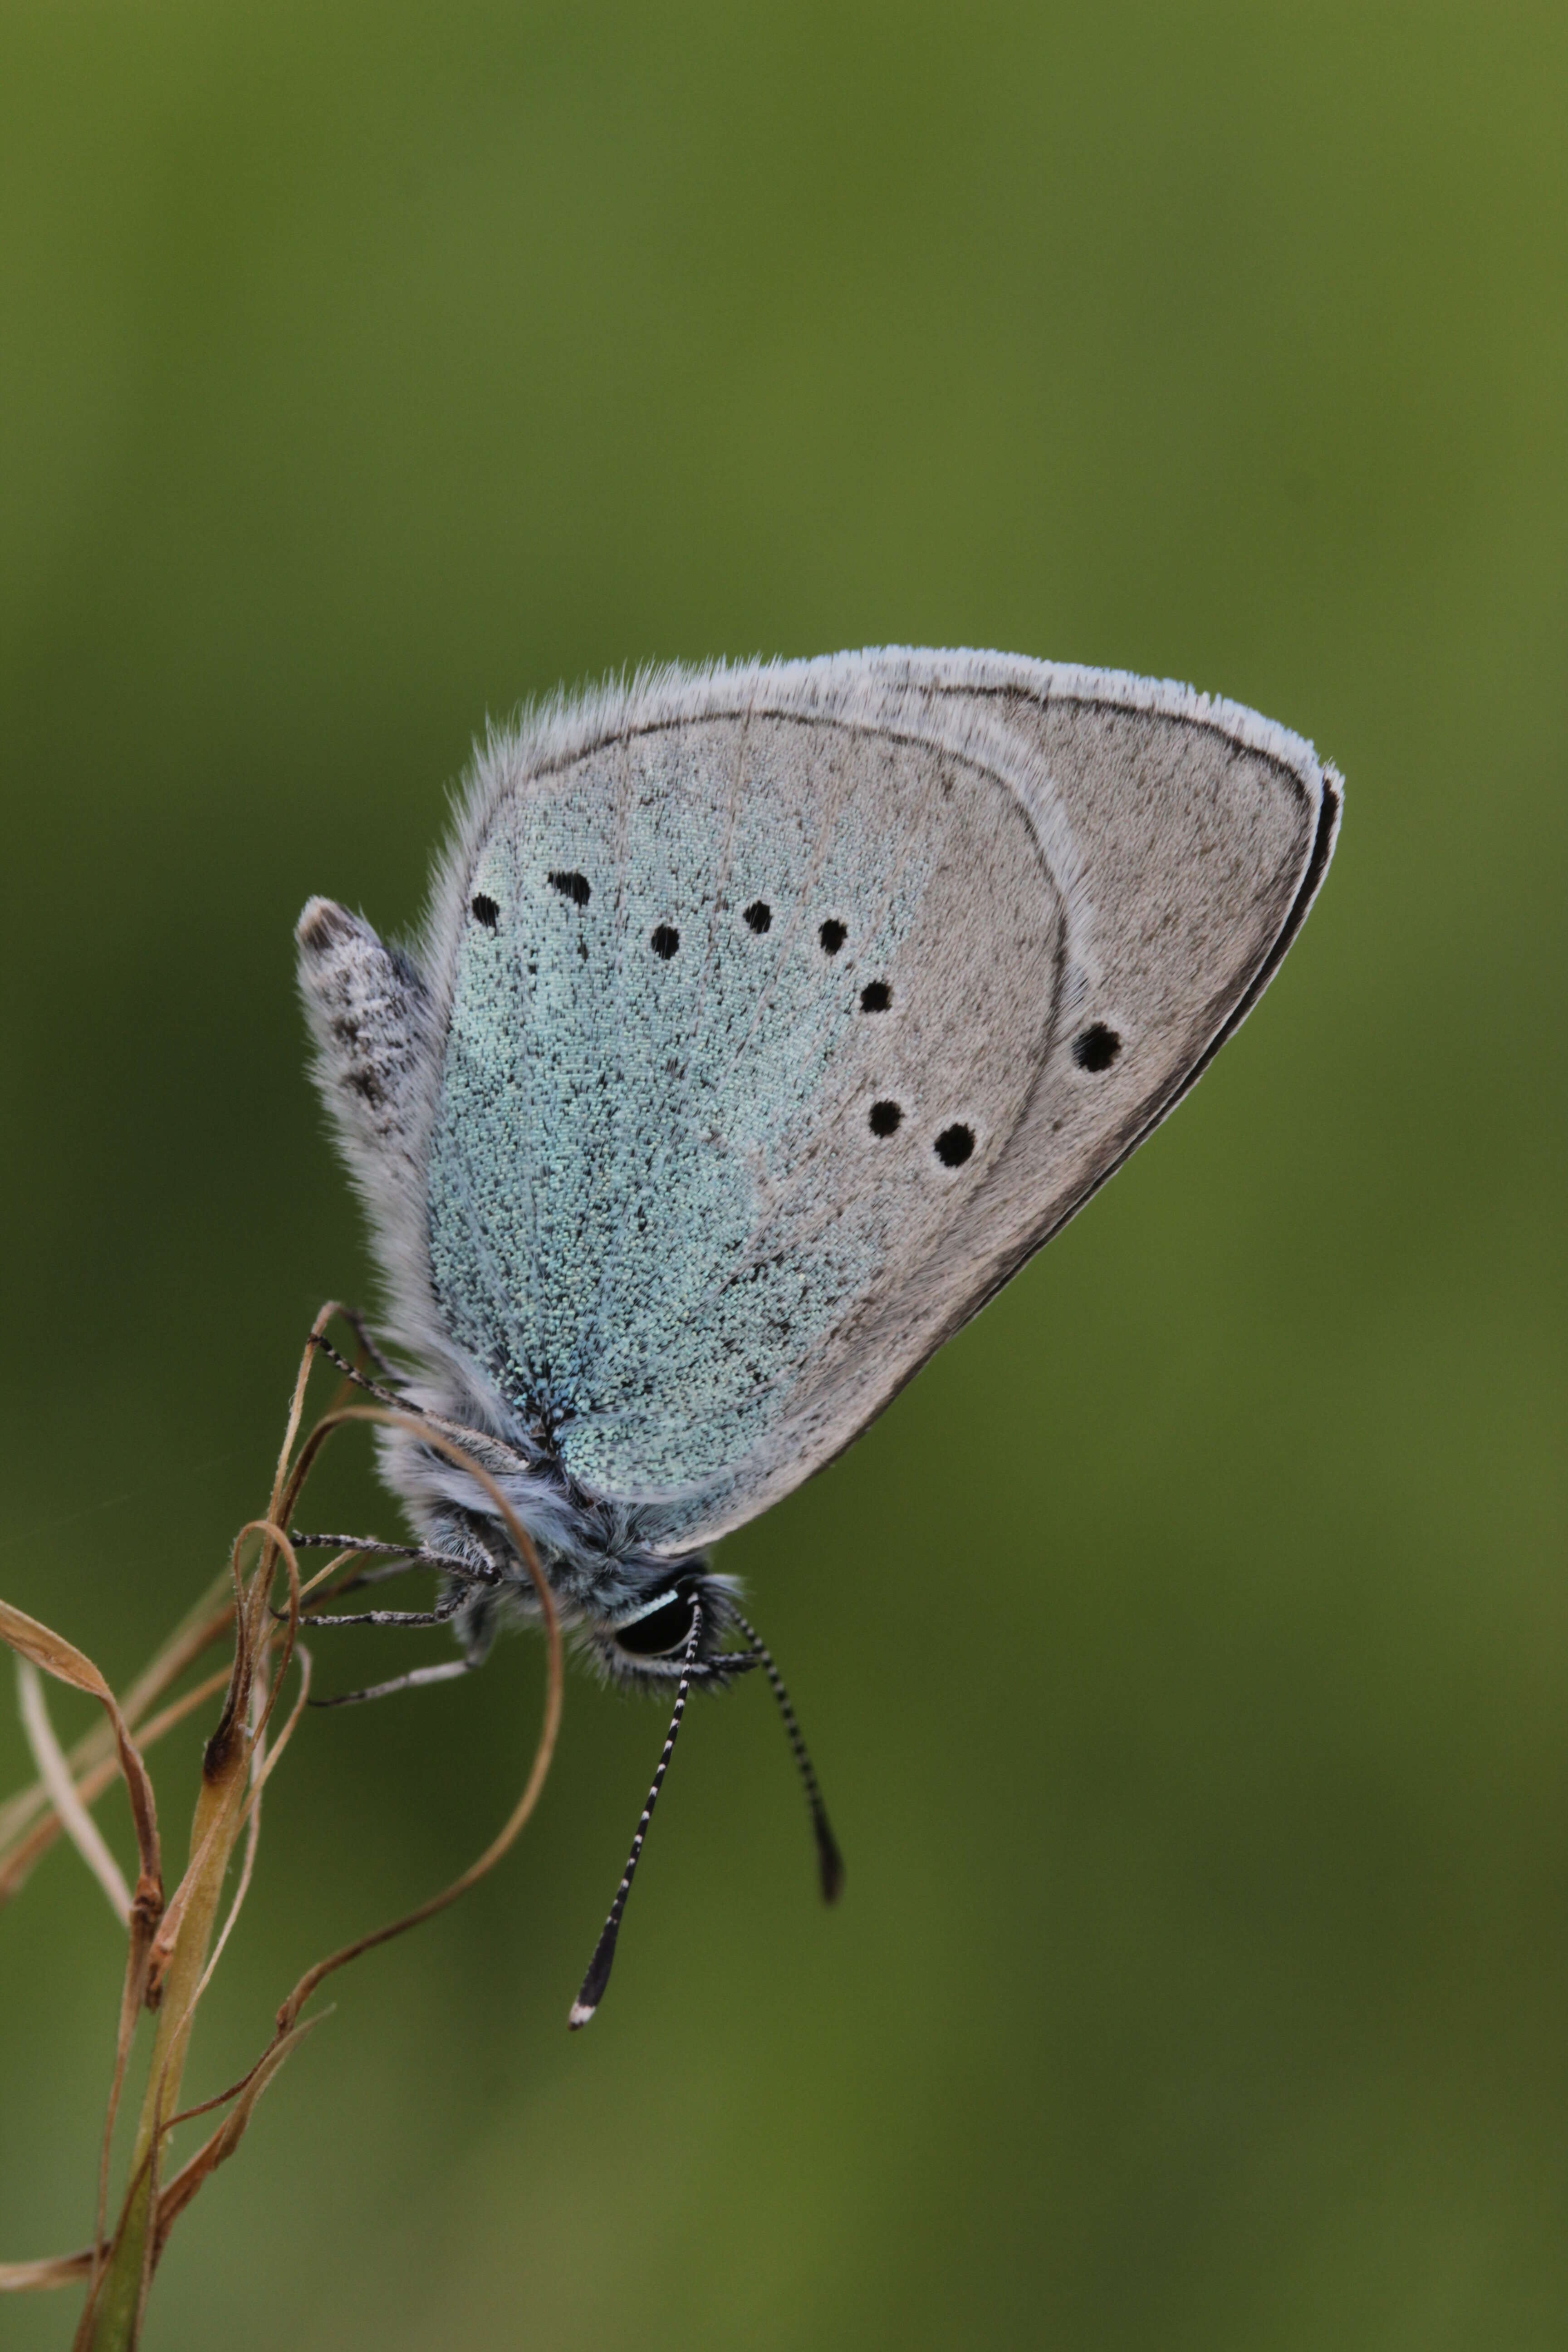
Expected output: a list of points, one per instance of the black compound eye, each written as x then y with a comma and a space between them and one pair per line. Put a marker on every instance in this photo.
664, 1628
1096, 1048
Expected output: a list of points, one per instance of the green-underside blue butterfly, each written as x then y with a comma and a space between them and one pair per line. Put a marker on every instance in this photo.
764, 1020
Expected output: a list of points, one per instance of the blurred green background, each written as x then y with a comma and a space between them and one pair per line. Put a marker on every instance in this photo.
1186, 1652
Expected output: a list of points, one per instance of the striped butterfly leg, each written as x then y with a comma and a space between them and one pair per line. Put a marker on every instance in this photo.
463, 1578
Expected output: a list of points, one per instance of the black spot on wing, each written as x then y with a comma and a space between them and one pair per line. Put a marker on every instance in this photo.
1096, 1047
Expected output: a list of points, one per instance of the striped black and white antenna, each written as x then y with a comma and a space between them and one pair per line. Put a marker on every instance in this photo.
829, 1861
603, 1960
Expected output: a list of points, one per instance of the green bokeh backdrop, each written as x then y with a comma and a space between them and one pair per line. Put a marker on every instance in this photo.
1186, 1652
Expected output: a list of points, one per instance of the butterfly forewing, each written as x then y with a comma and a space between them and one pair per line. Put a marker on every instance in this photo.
752, 1007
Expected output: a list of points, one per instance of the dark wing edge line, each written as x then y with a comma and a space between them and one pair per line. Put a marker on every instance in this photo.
1330, 809
1323, 841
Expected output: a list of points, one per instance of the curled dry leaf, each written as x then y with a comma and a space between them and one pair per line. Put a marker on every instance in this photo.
54, 2269
56, 1775
62, 1659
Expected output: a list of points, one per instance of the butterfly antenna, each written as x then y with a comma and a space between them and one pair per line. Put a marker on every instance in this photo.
603, 1958
829, 1861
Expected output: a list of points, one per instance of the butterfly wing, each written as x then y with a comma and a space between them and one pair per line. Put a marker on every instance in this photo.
776, 1015
799, 1007
1197, 835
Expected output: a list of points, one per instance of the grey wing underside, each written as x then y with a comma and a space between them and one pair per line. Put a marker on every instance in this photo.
621, 1143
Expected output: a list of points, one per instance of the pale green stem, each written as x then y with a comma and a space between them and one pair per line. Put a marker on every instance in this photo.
113, 2322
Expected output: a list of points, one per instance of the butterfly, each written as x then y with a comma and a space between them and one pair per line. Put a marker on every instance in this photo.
766, 1019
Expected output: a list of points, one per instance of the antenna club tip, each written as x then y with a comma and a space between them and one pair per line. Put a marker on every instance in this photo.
581, 2010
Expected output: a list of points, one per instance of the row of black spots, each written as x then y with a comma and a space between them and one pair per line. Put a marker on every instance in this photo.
573, 886
1095, 1048
831, 935
875, 997
953, 1146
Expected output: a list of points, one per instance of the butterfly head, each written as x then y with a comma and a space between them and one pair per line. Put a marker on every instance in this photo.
649, 1640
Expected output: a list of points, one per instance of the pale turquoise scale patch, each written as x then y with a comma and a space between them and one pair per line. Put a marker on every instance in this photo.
654, 1193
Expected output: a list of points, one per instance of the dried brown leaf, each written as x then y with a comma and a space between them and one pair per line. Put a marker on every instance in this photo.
17, 1863
193, 2175
62, 1659
52, 2270
55, 1773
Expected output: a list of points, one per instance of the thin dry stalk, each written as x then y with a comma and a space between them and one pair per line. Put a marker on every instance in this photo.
198, 1631
56, 1775
17, 1864
172, 1953
53, 2270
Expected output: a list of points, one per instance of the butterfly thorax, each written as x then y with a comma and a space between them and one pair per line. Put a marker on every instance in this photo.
626, 1608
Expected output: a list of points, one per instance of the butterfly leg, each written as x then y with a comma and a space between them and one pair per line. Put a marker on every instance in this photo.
464, 1569
368, 1342
446, 1609
352, 1374
476, 1631
452, 1671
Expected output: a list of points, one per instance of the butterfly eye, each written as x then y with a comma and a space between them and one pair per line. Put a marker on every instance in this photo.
664, 1628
